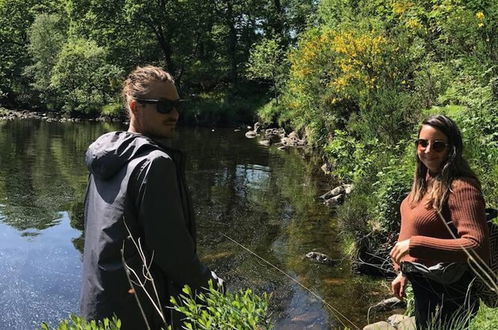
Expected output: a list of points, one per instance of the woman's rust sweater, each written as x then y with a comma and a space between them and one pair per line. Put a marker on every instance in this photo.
430, 240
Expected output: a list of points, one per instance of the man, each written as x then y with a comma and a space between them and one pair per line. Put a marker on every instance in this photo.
138, 213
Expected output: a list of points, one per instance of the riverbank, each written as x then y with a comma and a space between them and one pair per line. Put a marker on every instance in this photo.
368, 251
7, 114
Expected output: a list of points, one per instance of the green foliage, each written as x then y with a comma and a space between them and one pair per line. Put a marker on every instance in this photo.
472, 102
47, 35
265, 60
77, 323
82, 78
351, 157
362, 78
486, 318
215, 310
114, 110
271, 112
410, 300
224, 107
354, 215
391, 187
15, 19
206, 47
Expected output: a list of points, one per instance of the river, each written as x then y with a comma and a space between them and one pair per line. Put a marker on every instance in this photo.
263, 198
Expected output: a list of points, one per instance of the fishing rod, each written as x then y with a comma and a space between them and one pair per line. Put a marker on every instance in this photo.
332, 308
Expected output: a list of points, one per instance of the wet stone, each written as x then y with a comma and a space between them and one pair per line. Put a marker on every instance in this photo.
382, 325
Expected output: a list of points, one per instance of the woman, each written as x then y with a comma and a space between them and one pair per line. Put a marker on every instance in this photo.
443, 220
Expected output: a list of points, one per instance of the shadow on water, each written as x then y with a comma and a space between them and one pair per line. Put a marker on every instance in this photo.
263, 198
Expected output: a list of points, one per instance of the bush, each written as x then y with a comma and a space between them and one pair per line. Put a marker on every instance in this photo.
215, 310
47, 36
114, 110
210, 310
77, 323
392, 186
225, 107
82, 79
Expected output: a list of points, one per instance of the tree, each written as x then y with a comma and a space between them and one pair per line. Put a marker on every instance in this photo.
267, 62
46, 35
15, 19
82, 78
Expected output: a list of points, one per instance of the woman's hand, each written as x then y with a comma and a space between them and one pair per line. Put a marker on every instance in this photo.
399, 250
398, 286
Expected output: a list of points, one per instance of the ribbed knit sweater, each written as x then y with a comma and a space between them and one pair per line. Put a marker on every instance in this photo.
430, 240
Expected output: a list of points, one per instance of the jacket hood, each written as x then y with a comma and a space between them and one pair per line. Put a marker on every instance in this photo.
111, 151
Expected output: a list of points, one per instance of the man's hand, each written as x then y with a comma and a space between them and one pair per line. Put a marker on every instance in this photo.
218, 282
399, 250
398, 286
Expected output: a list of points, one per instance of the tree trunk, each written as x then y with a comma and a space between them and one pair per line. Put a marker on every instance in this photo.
232, 43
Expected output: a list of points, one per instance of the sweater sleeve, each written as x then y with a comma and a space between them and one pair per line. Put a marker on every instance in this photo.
467, 211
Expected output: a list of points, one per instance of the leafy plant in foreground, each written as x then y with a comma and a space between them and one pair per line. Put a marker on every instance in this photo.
215, 310
77, 323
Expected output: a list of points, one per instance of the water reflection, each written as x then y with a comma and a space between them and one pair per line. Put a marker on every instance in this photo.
263, 198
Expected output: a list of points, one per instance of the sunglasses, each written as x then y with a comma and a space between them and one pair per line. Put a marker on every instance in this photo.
163, 106
436, 145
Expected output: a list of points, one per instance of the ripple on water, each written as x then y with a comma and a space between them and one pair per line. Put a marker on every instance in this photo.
39, 277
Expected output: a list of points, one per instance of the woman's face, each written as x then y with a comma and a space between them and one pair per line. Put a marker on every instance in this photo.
433, 158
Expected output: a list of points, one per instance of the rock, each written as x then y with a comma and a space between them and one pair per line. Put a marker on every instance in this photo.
332, 193
348, 188
293, 135
292, 140
388, 304
326, 168
334, 201
306, 317
407, 324
382, 325
395, 319
272, 134
237, 130
321, 258
281, 132
257, 126
266, 143
251, 134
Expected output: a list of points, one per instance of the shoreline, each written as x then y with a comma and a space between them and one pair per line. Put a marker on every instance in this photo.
10, 114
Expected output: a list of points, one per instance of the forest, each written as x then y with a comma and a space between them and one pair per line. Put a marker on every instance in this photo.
70, 56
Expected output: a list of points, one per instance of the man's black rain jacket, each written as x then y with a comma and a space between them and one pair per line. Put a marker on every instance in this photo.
137, 181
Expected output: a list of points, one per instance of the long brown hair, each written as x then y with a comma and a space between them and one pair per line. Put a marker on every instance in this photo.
454, 167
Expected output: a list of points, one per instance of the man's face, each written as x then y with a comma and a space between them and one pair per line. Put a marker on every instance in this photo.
148, 121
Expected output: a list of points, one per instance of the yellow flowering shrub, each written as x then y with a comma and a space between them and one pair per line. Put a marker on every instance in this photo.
400, 7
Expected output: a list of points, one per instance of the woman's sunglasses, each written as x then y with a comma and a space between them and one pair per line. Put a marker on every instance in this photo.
436, 145
163, 106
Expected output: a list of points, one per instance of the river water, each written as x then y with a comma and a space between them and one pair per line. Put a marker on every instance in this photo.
261, 197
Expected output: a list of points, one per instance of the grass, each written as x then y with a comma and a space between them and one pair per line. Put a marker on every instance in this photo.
486, 318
